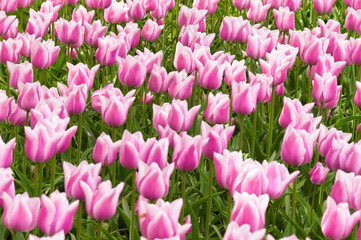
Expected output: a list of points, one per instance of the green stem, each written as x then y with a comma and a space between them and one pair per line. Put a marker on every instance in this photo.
270, 127
114, 132
313, 201
36, 179
79, 217
80, 129
230, 108
13, 234
320, 200
209, 202
91, 56
296, 77
41, 166
293, 213
7, 84
99, 233
70, 146
309, 84
229, 206
52, 172
132, 219
254, 132
183, 192
240, 132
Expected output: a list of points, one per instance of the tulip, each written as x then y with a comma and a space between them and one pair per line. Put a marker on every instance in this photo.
12, 31
218, 138
352, 19
8, 6
326, 137
44, 54
133, 32
293, 5
116, 13
74, 98
29, 95
276, 66
326, 63
70, 33
136, 11
5, 102
22, 72
249, 209
325, 90
181, 86
6, 22
314, 48
17, 116
98, 4
244, 97
151, 30
180, 118
10, 51
297, 146
337, 222
105, 151
357, 97
243, 232
108, 48
7, 184
190, 36
24, 3
27, 42
131, 72
209, 5
256, 46
242, 4
49, 9
285, 19
265, 82
93, 32
155, 151
160, 115
210, 75
224, 165
150, 5
184, 59
73, 176
56, 214
192, 16
152, 182
150, 59
217, 111
21, 212
147, 98
80, 74
158, 80
187, 152
165, 216
102, 203
82, 15
6, 152
318, 174
344, 187
291, 109
58, 236
39, 22
235, 72
257, 11
323, 6
130, 148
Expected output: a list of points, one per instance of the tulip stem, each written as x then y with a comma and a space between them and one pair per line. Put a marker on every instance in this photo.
209, 202
79, 217
313, 201
13, 234
52, 172
99, 233
70, 146
309, 95
132, 219
270, 127
36, 179
229, 206
80, 128
114, 132
320, 200
254, 131
183, 192
240, 132
293, 213
41, 167
7, 82
53, 31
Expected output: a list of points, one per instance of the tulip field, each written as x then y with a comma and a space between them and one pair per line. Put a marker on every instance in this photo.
180, 119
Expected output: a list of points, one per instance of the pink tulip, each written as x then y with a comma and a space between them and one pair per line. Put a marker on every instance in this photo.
325, 90
337, 222
39, 22
136, 11
257, 11
73, 176
244, 97
108, 48
257, 46
218, 138
187, 152
265, 82
158, 80
98, 4
235, 72
131, 72
93, 31
5, 102
74, 98
8, 6
184, 59
165, 216
82, 15
155, 151
355, 50
149, 59
10, 51
224, 165
160, 115
242, 232
180, 118
293, 5
276, 66
24, 3
344, 188
314, 48
318, 174
326, 137
44, 54
326, 63
217, 111
49, 9
12, 31
285, 19
147, 98
279, 178
105, 151
71, 2
56, 214
190, 36
130, 148
70, 33
297, 146
210, 75
150, 5
116, 13
27, 42
80, 74
249, 209
20, 73
29, 95
352, 19
181, 85
6, 22
291, 110
192, 16
152, 182
58, 236
241, 4
209, 5
102, 203
7, 185
357, 97
323, 6
133, 33
6, 152
17, 116
151, 30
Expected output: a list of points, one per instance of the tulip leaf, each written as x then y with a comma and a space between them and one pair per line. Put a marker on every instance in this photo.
194, 220
339, 123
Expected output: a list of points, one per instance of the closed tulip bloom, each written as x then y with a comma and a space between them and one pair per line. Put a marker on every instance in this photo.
29, 95
10, 51
158, 80
181, 85
5, 102
105, 151
249, 209
180, 118
115, 110
277, 65
337, 222
327, 63
184, 59
164, 215
293, 5
265, 82
152, 182
74, 98
326, 136
98, 4
7, 184
285, 19
73, 176
192, 16
70, 33
291, 109
209, 5
217, 111
108, 48
318, 174
147, 98
44, 54
58, 236
56, 214
151, 30
133, 33
257, 46
93, 31
241, 4
224, 164
6, 22
130, 148
155, 151
12, 31
218, 138
187, 152
325, 89
357, 97
21, 212
355, 51
136, 11
297, 146
257, 11
352, 19
6, 152
82, 15
210, 75
24, 3
242, 232
354, 197
27, 41
116, 13
17, 116
149, 59
313, 49
8, 6
81, 74
131, 72
71, 2
38, 23
150, 5
344, 187
323, 6
22, 72
279, 178
50, 9
244, 97
105, 195
235, 72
